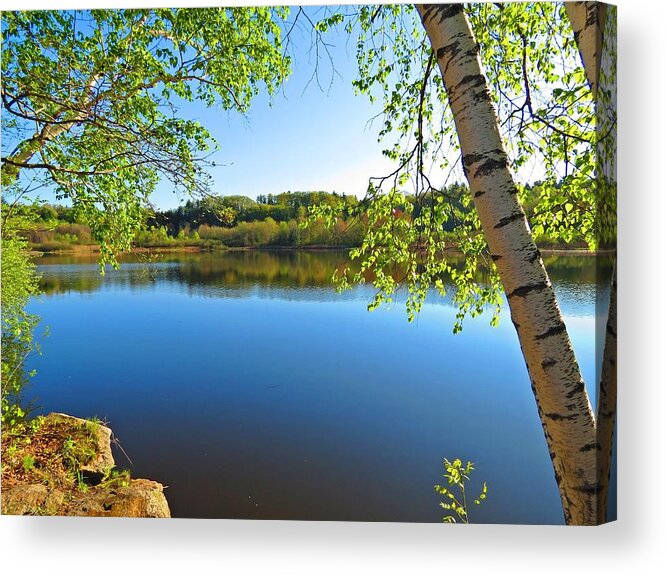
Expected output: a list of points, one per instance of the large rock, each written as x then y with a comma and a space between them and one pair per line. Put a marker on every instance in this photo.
23, 499
103, 460
31, 499
140, 498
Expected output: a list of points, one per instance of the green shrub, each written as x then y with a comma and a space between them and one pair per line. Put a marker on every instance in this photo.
19, 282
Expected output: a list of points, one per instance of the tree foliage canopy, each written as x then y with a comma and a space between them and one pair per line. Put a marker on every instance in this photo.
91, 100
547, 118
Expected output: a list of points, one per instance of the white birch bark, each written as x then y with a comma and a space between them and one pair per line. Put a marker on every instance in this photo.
49, 132
12, 166
587, 21
595, 34
559, 390
607, 403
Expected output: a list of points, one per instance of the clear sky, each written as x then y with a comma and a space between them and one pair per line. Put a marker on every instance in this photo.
308, 136
305, 137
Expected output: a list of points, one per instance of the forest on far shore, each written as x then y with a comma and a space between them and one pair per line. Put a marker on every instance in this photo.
239, 221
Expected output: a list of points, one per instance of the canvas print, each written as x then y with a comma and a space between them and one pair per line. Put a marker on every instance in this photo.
332, 263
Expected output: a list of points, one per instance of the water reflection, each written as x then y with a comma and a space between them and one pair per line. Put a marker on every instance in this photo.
284, 274
248, 385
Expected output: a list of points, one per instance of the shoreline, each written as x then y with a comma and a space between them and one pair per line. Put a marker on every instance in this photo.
93, 249
61, 465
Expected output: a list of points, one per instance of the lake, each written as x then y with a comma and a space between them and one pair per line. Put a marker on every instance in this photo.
252, 389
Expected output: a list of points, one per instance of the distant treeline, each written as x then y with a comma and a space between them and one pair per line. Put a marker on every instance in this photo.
232, 221
229, 211
271, 220
238, 221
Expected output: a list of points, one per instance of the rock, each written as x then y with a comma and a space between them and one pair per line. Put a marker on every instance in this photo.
54, 502
103, 461
31, 499
26, 499
142, 498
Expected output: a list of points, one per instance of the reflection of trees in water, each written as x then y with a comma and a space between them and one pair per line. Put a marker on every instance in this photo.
229, 270
62, 283
586, 269
289, 269
303, 275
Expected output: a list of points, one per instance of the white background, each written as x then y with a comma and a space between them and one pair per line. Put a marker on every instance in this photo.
635, 543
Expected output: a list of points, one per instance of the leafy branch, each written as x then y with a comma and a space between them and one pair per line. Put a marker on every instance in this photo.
457, 475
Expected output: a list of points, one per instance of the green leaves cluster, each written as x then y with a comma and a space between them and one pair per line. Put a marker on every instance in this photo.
407, 218
92, 100
406, 244
546, 110
19, 283
547, 116
457, 475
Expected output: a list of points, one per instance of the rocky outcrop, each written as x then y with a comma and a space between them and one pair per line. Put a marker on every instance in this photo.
103, 458
91, 489
31, 499
141, 498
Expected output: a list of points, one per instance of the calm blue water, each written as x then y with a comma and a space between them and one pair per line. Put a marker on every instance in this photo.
252, 389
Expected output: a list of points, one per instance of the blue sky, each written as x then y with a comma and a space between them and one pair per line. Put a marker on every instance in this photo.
308, 136
305, 137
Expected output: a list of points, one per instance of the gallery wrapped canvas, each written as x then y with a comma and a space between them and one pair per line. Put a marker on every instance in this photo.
352, 263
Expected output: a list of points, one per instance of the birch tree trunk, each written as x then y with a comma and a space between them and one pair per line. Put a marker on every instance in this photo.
593, 24
587, 20
11, 166
607, 402
559, 390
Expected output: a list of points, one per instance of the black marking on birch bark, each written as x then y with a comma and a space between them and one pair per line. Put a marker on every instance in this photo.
445, 11
472, 52
469, 82
579, 387
522, 291
534, 256
546, 363
481, 96
560, 417
495, 257
590, 488
470, 159
590, 447
452, 49
479, 194
556, 330
490, 165
509, 219
591, 16
610, 330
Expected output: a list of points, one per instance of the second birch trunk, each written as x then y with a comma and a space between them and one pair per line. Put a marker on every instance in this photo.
562, 401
